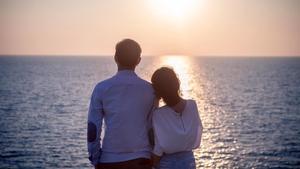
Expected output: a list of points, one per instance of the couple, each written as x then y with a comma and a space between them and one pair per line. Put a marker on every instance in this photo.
128, 105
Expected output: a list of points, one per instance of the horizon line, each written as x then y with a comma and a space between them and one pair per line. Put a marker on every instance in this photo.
108, 55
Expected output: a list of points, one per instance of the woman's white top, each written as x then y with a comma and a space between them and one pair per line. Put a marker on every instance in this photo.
176, 132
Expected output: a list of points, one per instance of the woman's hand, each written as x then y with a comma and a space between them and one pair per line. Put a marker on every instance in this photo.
155, 160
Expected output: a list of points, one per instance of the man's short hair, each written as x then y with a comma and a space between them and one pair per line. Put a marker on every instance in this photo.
128, 52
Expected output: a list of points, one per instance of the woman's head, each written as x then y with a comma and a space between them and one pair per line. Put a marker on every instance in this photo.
166, 85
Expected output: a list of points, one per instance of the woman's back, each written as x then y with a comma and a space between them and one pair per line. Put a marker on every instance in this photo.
176, 132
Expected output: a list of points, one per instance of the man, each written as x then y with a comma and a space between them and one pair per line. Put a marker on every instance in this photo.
124, 102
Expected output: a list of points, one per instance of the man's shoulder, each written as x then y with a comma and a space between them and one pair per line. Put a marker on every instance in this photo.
104, 84
108, 83
144, 82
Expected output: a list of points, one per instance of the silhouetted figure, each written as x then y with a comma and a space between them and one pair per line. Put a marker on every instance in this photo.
177, 125
124, 102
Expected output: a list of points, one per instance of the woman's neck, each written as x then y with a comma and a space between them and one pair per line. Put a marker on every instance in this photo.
179, 107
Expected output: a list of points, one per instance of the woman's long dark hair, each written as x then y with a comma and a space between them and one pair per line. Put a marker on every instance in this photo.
166, 85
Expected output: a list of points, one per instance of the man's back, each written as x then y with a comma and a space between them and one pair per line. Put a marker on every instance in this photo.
125, 102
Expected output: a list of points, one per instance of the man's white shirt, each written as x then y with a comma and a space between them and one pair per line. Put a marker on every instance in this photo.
124, 102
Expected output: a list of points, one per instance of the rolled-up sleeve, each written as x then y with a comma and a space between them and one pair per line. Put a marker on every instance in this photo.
95, 116
199, 128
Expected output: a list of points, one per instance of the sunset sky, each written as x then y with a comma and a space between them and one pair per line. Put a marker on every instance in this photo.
186, 27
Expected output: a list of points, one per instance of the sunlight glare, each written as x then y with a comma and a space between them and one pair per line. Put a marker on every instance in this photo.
173, 9
181, 66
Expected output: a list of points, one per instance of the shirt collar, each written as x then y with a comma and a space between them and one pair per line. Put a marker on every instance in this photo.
126, 73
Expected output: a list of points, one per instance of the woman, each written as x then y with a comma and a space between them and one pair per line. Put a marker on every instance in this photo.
177, 125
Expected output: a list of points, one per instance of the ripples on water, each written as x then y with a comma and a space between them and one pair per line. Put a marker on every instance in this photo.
250, 109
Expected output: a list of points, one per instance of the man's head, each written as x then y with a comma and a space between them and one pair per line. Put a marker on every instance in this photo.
128, 54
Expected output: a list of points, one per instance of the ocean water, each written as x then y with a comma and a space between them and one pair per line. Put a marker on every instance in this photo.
250, 109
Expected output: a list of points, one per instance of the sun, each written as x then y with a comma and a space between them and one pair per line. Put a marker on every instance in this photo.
173, 9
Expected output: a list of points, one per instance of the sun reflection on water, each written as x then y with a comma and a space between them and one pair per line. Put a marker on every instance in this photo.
181, 65
192, 80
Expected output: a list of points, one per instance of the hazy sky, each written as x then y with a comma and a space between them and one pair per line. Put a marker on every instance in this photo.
203, 27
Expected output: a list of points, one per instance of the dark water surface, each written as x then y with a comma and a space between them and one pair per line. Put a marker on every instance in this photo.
250, 109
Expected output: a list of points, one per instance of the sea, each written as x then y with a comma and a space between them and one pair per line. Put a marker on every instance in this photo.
249, 106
